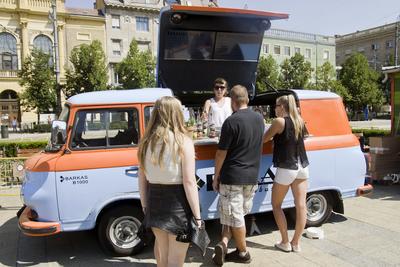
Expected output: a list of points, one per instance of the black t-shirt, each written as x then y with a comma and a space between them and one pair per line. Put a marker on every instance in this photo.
241, 135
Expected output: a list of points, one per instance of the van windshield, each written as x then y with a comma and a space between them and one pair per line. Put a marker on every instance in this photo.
209, 45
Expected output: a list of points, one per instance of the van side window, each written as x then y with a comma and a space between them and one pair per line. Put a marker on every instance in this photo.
147, 113
105, 128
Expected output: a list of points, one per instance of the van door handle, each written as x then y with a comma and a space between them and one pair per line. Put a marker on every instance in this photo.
133, 170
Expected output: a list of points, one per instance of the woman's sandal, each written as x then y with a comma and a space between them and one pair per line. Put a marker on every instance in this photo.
285, 247
296, 248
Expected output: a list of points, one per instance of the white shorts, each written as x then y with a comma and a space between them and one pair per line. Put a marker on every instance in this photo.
287, 177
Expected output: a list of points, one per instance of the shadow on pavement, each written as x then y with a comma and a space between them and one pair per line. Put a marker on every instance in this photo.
82, 248
385, 192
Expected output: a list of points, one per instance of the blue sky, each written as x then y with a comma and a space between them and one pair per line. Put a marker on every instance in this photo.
328, 17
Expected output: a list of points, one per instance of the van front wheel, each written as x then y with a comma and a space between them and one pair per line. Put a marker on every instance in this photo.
319, 208
117, 231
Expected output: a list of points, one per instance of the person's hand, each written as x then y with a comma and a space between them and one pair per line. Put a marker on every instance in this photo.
216, 183
198, 223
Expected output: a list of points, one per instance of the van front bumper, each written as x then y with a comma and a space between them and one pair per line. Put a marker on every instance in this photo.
33, 228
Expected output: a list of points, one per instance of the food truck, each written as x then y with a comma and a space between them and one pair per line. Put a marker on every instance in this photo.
88, 176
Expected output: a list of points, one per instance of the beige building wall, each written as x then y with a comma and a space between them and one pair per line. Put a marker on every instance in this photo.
25, 20
122, 19
82, 26
376, 44
122, 26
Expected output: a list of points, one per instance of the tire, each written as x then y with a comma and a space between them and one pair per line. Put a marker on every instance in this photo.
117, 231
319, 208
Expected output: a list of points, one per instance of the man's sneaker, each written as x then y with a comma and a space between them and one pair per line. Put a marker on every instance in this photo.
220, 251
235, 256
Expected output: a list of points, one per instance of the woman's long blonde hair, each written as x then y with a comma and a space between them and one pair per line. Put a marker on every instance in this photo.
166, 118
289, 104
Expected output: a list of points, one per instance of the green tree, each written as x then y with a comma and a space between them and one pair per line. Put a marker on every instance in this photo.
324, 74
89, 72
267, 71
137, 69
325, 80
37, 78
361, 82
295, 72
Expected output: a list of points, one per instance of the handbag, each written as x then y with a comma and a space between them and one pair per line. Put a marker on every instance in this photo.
196, 235
199, 235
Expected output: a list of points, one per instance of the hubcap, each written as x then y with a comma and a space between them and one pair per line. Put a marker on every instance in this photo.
123, 232
316, 207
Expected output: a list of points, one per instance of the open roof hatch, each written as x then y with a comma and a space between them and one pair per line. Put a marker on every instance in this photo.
199, 44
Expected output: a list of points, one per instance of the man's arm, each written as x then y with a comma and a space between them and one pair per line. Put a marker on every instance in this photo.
220, 156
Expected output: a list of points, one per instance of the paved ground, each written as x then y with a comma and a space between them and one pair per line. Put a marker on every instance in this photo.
367, 235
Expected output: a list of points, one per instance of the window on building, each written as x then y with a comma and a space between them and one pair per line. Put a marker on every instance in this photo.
266, 48
286, 50
115, 21
389, 44
308, 53
142, 24
143, 46
114, 74
374, 46
83, 36
116, 47
297, 50
8, 52
44, 44
277, 49
325, 56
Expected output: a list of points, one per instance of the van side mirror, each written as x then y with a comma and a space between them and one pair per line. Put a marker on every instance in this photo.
58, 133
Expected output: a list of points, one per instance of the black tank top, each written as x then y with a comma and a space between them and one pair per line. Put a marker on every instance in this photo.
287, 150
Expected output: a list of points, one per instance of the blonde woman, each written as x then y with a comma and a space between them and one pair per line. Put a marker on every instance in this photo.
167, 184
290, 159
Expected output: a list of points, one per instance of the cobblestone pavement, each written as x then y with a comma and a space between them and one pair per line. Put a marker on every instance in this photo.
367, 234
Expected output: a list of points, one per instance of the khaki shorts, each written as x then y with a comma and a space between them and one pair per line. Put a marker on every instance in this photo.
235, 201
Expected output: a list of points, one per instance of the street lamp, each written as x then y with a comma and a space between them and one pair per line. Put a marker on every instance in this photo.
53, 19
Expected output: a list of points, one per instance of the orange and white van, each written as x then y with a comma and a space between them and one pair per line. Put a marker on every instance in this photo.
88, 176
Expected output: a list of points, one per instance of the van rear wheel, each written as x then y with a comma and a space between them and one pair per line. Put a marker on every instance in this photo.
319, 208
117, 231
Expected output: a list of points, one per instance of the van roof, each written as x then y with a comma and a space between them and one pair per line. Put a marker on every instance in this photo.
314, 94
145, 95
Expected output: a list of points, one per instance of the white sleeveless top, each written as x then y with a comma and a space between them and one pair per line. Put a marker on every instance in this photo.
218, 114
170, 172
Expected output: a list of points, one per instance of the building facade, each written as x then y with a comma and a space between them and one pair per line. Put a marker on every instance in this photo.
134, 20
283, 44
376, 44
126, 21
25, 25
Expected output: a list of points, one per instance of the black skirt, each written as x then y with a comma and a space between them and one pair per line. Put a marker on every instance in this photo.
168, 209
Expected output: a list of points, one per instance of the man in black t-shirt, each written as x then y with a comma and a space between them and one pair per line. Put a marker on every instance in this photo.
237, 164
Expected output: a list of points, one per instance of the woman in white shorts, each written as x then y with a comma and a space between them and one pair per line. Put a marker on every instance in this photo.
290, 159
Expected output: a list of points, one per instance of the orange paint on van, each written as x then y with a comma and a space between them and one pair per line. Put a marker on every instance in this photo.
325, 117
34, 228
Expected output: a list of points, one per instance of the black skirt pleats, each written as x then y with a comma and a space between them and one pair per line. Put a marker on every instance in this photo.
168, 208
